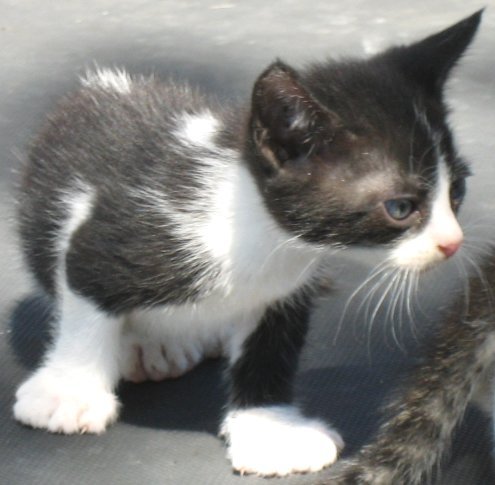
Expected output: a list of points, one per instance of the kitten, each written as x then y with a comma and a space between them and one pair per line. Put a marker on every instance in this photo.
456, 368
169, 228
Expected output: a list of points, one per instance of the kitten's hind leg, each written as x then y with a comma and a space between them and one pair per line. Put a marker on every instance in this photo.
72, 392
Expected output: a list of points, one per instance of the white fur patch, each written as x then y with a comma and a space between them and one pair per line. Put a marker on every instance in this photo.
197, 130
241, 234
278, 440
423, 250
166, 342
78, 204
114, 80
237, 229
159, 344
72, 391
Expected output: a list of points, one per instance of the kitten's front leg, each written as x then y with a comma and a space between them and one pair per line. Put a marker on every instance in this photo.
266, 434
72, 392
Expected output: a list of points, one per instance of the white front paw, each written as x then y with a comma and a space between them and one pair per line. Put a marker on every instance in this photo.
63, 402
278, 440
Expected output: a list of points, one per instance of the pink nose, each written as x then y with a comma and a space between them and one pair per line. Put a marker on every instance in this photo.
449, 249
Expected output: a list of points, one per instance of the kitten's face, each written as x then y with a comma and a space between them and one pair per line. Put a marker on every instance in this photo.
360, 152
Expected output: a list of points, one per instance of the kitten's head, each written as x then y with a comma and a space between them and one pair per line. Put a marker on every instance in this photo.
359, 152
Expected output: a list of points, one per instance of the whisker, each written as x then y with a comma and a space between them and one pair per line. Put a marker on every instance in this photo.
371, 320
370, 296
276, 249
482, 278
398, 306
368, 299
460, 264
403, 288
382, 298
410, 307
303, 273
478, 246
374, 273
412, 139
433, 146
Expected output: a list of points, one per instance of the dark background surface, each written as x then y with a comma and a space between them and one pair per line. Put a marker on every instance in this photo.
167, 431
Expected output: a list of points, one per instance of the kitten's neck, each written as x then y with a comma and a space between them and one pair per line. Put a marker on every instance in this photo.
231, 221
244, 236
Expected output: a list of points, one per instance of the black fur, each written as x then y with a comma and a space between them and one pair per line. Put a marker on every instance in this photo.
264, 373
115, 144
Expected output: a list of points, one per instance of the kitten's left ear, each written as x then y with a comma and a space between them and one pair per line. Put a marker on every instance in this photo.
430, 60
287, 122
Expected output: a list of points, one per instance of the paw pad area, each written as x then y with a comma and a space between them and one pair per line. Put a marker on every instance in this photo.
277, 441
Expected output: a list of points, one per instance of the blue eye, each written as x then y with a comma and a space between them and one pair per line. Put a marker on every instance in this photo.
399, 209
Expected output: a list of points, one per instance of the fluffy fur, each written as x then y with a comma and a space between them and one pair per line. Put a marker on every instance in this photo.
169, 228
422, 417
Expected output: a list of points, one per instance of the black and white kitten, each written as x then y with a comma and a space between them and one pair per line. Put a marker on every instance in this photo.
458, 367
169, 228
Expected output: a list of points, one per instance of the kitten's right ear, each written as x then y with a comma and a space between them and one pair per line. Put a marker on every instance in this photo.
286, 121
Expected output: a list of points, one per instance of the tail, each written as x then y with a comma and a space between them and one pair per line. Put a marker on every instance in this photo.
422, 417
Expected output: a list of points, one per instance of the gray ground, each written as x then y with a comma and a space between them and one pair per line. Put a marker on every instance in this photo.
167, 431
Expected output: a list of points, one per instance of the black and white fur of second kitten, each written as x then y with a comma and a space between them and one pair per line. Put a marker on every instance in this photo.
169, 228
457, 368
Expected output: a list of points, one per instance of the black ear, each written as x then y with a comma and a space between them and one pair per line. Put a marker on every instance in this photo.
430, 61
286, 121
